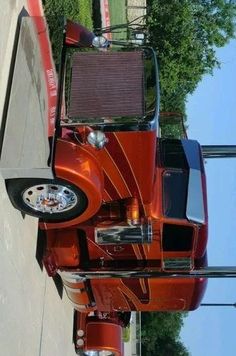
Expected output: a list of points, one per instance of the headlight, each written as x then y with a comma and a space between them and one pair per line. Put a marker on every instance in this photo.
100, 42
97, 139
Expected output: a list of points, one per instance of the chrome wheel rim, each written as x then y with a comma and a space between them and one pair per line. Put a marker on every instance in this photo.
50, 198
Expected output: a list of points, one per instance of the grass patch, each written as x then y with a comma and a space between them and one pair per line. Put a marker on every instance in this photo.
58, 10
118, 15
76, 10
85, 13
126, 334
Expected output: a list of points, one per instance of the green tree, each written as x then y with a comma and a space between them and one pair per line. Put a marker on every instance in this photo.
160, 334
168, 346
185, 34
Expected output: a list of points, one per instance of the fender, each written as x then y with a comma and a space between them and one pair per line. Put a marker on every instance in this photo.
78, 166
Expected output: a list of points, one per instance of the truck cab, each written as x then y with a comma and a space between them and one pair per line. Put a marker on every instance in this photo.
129, 237
108, 263
118, 202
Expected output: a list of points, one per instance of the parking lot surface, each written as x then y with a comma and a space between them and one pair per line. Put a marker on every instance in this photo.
34, 318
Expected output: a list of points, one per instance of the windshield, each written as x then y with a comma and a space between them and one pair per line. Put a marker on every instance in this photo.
172, 154
175, 189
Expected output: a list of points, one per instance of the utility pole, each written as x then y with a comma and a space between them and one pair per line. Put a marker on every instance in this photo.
218, 151
218, 305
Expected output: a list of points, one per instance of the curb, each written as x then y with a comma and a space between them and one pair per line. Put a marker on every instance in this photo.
36, 11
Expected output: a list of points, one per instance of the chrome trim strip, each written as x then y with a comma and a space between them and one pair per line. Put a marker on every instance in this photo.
73, 290
184, 263
206, 272
67, 276
124, 234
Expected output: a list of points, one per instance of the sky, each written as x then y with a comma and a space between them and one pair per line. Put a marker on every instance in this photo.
211, 114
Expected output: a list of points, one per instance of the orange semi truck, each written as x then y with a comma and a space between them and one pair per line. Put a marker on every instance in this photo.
120, 205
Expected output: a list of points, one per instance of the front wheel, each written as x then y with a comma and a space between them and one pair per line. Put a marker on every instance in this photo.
48, 199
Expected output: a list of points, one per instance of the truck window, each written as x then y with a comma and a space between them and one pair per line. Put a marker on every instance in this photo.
172, 154
175, 186
177, 237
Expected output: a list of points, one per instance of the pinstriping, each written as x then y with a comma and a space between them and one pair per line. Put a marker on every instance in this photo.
97, 246
137, 252
133, 175
143, 285
117, 154
108, 195
125, 299
118, 170
129, 294
111, 188
130, 167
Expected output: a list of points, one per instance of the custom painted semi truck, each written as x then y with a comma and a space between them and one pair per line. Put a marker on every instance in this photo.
120, 205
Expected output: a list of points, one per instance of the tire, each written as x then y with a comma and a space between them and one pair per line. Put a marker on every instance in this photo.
47, 199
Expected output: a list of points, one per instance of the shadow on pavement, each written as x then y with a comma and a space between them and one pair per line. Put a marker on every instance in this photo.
59, 285
40, 248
